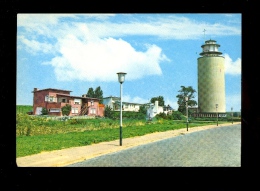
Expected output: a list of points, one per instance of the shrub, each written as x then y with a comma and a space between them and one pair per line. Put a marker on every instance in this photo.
108, 111
66, 109
142, 110
44, 111
161, 115
127, 115
177, 115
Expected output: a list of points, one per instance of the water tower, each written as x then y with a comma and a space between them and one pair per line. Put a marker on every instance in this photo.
211, 79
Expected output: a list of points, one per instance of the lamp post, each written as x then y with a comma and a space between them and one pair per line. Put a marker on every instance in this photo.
217, 113
121, 79
232, 114
186, 100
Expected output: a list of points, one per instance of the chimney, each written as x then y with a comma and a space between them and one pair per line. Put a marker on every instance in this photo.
35, 89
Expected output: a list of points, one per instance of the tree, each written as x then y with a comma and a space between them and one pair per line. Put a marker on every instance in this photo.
108, 112
186, 91
66, 109
91, 93
142, 109
160, 99
99, 94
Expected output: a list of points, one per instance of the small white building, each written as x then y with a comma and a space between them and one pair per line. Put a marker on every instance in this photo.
154, 109
114, 103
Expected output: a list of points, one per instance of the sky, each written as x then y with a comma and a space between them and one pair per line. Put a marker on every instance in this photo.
158, 52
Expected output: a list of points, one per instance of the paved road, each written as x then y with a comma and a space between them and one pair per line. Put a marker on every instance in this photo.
217, 147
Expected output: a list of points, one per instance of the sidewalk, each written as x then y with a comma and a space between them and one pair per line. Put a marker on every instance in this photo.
64, 157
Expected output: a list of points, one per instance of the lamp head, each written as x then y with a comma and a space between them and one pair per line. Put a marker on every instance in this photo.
121, 77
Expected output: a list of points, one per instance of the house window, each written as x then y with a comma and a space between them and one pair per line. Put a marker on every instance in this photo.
54, 110
77, 101
92, 102
47, 98
74, 110
51, 98
92, 111
63, 100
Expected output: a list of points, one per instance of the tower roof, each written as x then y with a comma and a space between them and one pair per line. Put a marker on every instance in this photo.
210, 48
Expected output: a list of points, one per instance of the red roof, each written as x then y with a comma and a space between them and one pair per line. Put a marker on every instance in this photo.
52, 89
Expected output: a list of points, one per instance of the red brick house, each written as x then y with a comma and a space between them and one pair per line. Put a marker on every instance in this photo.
54, 99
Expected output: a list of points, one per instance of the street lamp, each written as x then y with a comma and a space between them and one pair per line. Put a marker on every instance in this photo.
121, 79
186, 100
217, 113
232, 114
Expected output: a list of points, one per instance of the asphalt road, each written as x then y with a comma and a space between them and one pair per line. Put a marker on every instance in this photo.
217, 147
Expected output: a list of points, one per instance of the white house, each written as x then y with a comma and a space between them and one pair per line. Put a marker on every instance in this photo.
153, 109
114, 103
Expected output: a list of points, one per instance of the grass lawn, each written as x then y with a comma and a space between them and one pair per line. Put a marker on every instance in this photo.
35, 134
28, 145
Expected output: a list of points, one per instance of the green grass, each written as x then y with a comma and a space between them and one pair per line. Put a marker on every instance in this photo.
48, 135
36, 134
23, 108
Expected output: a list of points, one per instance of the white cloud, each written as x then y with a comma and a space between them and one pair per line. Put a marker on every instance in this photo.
90, 50
160, 25
37, 20
233, 68
94, 59
169, 28
34, 46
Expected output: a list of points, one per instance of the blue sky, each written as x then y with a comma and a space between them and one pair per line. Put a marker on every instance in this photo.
157, 51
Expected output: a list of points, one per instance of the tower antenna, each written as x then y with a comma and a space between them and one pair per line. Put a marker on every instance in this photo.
204, 33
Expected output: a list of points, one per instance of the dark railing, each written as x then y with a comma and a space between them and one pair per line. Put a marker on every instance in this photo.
84, 110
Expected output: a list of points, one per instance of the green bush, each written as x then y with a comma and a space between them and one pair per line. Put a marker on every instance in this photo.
177, 115
108, 112
161, 116
127, 115
66, 110
44, 111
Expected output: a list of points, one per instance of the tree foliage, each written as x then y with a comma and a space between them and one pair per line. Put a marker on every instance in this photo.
159, 98
97, 93
44, 111
91, 93
142, 109
189, 92
108, 112
178, 115
66, 109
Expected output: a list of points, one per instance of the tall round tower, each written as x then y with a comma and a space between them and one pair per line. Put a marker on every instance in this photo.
211, 79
